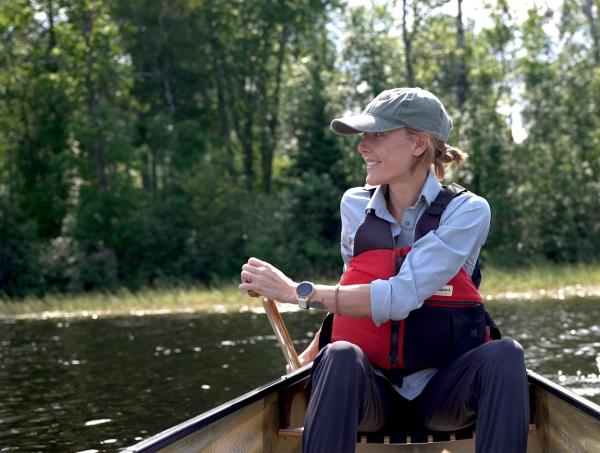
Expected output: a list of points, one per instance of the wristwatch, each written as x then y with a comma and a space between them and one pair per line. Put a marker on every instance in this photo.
304, 291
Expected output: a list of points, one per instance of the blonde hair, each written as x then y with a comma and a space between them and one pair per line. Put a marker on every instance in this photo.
438, 154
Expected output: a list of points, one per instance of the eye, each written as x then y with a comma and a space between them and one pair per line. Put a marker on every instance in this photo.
366, 135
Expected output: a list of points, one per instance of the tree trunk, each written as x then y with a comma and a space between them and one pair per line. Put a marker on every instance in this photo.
51, 34
221, 84
162, 66
98, 142
407, 39
461, 70
588, 10
270, 141
153, 169
145, 171
168, 93
247, 145
247, 117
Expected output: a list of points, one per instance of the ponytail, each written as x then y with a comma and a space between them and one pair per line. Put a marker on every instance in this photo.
445, 155
438, 155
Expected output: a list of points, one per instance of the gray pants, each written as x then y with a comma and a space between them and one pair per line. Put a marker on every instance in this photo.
487, 385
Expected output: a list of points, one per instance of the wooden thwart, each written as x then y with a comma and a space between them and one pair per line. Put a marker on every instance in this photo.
396, 438
400, 438
291, 432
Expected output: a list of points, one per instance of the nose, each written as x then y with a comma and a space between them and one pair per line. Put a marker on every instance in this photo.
361, 145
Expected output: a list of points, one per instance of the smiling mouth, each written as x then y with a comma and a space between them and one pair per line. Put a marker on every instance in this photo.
371, 163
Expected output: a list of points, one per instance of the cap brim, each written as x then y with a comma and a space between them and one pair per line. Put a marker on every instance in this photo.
357, 124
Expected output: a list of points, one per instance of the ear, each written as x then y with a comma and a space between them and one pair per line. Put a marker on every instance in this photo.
421, 143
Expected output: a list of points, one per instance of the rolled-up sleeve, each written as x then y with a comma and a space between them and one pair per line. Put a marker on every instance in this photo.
433, 260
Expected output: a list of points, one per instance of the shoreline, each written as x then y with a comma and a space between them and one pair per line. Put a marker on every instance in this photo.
243, 305
499, 285
566, 292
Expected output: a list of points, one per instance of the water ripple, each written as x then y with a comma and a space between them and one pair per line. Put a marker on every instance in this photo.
88, 384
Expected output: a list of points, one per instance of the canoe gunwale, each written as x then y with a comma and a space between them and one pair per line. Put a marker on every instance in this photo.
173, 434
584, 405
180, 431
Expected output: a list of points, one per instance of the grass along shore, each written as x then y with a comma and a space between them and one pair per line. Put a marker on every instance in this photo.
534, 283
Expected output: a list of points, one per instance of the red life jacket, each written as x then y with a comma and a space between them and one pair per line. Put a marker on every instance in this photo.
449, 323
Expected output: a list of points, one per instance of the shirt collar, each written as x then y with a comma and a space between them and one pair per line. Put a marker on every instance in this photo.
430, 190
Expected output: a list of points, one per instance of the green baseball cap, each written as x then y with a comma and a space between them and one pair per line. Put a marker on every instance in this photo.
414, 108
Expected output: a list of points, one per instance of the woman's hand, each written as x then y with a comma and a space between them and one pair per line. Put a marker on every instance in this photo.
306, 357
309, 354
265, 280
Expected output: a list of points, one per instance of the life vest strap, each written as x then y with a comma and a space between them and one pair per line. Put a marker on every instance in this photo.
326, 330
374, 233
430, 220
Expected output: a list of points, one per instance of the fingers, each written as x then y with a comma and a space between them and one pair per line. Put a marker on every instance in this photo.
247, 279
247, 286
260, 278
253, 265
250, 271
253, 269
256, 262
246, 276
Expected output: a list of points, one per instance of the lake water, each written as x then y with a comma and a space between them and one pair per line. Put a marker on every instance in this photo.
99, 385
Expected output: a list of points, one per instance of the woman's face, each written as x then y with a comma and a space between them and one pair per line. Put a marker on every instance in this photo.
389, 156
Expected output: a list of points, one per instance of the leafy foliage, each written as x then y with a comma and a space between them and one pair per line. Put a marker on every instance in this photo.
147, 142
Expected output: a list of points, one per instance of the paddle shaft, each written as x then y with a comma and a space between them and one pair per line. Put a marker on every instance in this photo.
282, 334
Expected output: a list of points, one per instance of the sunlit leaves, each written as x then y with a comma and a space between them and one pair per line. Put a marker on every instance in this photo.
154, 140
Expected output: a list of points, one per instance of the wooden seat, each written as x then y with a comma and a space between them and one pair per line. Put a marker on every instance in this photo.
401, 437
293, 401
396, 438
292, 408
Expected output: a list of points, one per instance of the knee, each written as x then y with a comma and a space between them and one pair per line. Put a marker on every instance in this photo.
343, 351
344, 355
504, 356
507, 350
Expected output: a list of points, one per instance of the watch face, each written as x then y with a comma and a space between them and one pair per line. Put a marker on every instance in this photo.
304, 289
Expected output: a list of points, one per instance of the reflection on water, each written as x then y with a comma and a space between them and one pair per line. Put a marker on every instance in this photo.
103, 384
561, 340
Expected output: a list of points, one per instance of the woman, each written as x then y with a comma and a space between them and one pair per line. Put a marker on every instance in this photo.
407, 278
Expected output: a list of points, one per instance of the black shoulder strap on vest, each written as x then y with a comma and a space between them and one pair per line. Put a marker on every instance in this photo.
326, 331
373, 233
430, 219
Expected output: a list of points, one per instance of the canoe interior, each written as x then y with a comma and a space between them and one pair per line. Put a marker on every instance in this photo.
561, 421
565, 422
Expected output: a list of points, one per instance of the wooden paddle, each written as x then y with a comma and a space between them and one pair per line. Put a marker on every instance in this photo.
281, 332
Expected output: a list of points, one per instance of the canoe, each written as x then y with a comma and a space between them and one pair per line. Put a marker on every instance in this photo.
270, 418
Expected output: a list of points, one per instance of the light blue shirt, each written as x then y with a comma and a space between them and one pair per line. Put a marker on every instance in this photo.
433, 261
